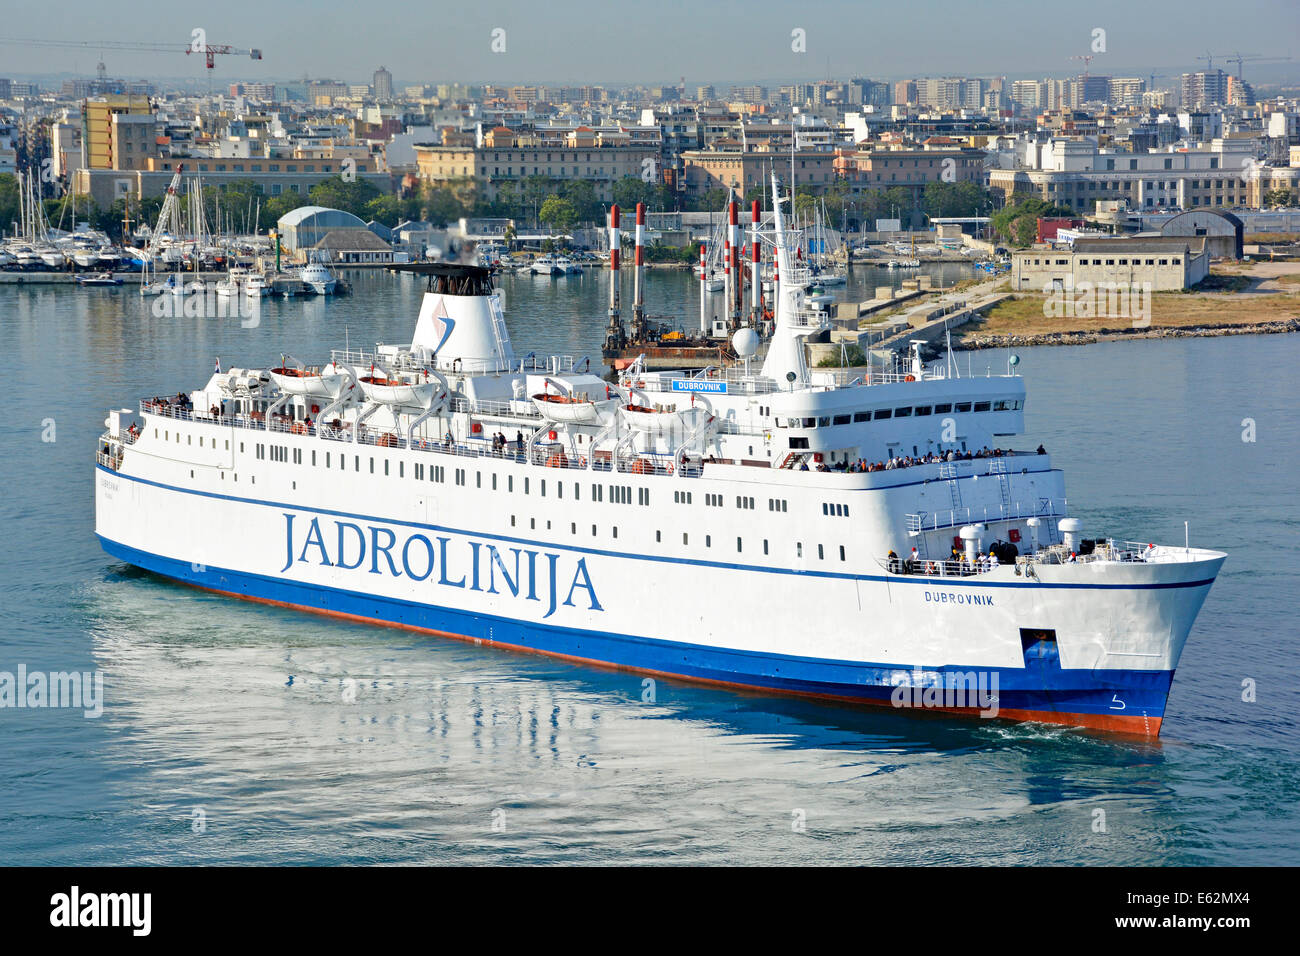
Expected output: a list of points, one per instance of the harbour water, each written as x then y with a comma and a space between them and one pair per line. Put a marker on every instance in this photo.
233, 732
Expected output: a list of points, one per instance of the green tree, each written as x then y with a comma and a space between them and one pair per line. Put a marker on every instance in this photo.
630, 190
1277, 197
582, 194
558, 214
8, 201
334, 193
1017, 222
385, 209
277, 206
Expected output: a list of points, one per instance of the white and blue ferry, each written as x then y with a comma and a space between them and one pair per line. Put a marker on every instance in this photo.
728, 526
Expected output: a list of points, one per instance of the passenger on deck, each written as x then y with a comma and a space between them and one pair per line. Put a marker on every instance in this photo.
1042, 450
893, 563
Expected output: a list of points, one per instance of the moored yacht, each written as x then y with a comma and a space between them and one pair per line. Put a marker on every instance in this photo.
318, 277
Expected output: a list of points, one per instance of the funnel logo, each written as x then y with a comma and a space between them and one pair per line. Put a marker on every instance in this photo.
443, 324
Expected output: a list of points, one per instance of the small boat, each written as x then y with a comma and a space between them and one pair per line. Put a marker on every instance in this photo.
545, 266
85, 258
328, 382
256, 285
575, 409
397, 391
317, 277
567, 267
197, 287
98, 279
650, 419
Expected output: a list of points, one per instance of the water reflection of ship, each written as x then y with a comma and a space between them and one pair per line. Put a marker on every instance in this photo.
311, 675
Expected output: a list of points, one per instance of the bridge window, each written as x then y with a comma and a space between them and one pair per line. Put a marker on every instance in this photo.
841, 419
982, 406
902, 412
961, 407
862, 416
882, 413
922, 409
942, 409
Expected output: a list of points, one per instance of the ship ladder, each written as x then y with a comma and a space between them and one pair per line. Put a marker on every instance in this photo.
999, 467
949, 471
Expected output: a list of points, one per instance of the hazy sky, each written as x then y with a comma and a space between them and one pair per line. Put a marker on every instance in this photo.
659, 41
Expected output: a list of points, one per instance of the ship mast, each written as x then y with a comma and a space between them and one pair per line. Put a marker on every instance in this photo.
785, 362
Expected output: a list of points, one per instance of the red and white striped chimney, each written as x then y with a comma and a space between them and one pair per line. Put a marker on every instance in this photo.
638, 280
756, 296
733, 256
613, 259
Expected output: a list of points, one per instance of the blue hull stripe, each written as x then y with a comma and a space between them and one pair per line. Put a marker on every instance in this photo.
1043, 689
922, 580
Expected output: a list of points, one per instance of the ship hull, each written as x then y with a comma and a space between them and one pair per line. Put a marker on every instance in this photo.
874, 639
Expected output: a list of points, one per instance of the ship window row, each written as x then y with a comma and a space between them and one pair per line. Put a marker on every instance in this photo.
906, 411
686, 539
777, 504
833, 510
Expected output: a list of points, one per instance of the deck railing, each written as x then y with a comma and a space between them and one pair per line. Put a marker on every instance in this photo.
918, 522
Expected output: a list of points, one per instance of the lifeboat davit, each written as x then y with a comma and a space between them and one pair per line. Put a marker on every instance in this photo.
328, 382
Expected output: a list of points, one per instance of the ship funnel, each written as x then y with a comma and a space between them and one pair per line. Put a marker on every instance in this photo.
461, 325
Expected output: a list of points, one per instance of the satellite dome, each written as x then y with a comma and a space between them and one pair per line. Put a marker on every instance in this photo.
745, 342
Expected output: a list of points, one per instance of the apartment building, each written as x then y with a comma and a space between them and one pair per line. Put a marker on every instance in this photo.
599, 158
1077, 174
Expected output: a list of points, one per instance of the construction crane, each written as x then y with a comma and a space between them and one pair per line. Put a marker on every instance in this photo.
1240, 58
1087, 59
209, 50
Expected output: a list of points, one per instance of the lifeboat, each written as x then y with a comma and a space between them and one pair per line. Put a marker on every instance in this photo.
396, 391
312, 382
655, 419
570, 409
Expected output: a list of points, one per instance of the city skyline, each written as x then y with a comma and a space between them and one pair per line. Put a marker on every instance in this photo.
762, 42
